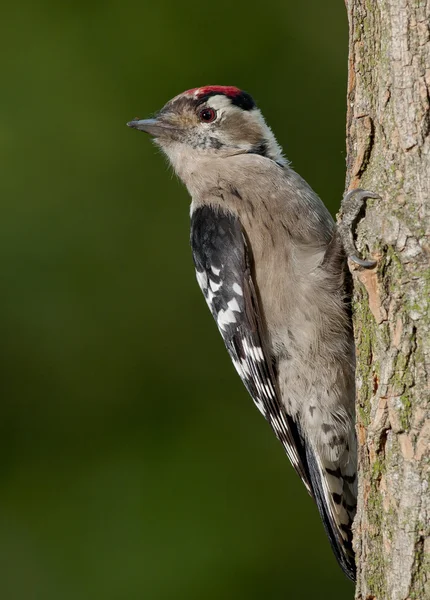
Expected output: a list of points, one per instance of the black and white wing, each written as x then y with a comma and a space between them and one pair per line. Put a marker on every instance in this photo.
223, 268
223, 262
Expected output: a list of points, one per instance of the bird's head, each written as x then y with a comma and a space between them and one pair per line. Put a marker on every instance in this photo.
211, 121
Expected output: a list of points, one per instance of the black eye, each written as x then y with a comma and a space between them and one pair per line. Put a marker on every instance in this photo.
207, 115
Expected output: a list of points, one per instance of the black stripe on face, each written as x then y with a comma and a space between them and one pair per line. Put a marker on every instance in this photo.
242, 100
260, 148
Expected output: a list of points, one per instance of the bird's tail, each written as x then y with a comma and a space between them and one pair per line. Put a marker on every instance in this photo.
335, 491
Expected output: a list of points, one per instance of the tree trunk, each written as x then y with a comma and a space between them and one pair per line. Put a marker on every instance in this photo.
388, 140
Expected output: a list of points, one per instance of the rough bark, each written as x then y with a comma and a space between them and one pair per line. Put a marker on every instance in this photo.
389, 153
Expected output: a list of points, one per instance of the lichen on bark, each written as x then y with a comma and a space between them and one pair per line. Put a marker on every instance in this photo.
388, 142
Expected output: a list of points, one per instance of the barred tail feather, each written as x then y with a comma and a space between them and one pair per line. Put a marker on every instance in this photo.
335, 499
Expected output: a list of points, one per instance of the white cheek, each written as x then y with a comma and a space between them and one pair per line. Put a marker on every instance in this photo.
175, 152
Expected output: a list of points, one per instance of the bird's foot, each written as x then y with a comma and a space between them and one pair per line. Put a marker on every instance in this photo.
350, 208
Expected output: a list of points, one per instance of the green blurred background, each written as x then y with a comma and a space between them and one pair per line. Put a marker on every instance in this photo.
133, 464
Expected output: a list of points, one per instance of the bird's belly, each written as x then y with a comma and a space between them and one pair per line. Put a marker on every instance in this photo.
290, 310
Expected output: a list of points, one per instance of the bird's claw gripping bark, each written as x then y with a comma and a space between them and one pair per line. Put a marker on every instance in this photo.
351, 206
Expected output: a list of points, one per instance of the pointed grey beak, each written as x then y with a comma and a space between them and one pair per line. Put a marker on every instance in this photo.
151, 126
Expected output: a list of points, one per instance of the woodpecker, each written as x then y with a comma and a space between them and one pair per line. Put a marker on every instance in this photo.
272, 267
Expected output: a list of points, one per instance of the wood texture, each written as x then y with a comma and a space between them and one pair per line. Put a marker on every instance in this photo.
388, 142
